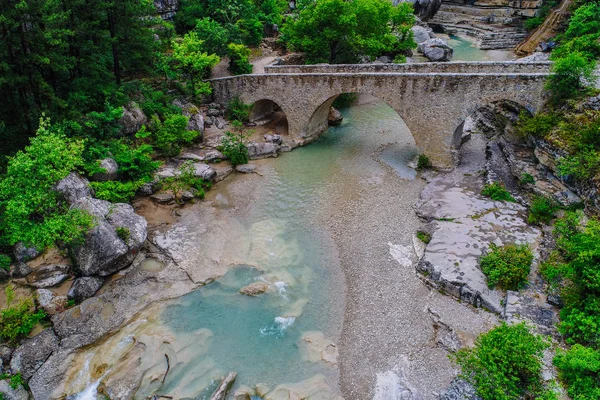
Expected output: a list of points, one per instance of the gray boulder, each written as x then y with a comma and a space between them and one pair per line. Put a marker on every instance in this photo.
104, 251
149, 188
5, 355
162, 198
245, 168
110, 168
459, 389
420, 34
20, 270
51, 302
195, 118
84, 288
24, 253
48, 275
28, 357
73, 187
262, 150
133, 119
335, 117
273, 138
436, 50
205, 171
383, 60
12, 394
424, 9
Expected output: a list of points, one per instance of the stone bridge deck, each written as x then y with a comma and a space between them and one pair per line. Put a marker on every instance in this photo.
433, 99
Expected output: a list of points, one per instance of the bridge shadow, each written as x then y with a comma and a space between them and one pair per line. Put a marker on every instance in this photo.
270, 117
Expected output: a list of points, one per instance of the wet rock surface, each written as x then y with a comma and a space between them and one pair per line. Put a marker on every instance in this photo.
50, 302
84, 288
30, 356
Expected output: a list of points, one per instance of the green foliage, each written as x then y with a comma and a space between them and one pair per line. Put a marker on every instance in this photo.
580, 371
570, 74
116, 191
526, 179
239, 56
186, 179
135, 162
17, 381
507, 267
400, 59
539, 125
532, 23
32, 211
348, 30
18, 318
543, 12
191, 60
172, 134
123, 233
423, 162
542, 210
215, 36
505, 364
424, 236
237, 110
584, 164
497, 191
5, 262
234, 148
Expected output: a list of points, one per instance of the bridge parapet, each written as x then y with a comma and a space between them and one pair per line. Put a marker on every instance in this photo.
492, 67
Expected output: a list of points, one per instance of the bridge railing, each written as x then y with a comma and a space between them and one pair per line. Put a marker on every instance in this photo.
492, 67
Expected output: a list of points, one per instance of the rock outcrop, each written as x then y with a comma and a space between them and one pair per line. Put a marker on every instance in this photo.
13, 394
436, 49
424, 9
262, 150
113, 243
29, 356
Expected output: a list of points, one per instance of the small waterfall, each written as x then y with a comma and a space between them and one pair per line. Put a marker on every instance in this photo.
279, 327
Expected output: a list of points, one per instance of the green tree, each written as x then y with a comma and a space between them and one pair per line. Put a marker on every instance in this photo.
505, 364
193, 62
349, 29
32, 211
239, 59
214, 35
580, 371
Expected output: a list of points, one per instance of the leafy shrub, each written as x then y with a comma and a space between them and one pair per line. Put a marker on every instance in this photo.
505, 364
215, 36
423, 162
238, 111
570, 74
400, 59
191, 60
234, 148
5, 262
583, 165
497, 191
532, 23
424, 236
18, 318
539, 125
171, 135
123, 233
239, 59
135, 162
507, 267
542, 210
116, 191
185, 180
526, 179
32, 212
580, 371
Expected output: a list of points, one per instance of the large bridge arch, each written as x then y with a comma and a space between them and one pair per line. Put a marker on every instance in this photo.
433, 105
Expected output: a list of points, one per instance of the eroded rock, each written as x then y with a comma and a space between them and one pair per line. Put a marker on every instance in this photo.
436, 49
29, 356
460, 389
262, 150
50, 302
84, 288
335, 117
13, 394
74, 187
111, 170
133, 119
255, 288
245, 168
48, 275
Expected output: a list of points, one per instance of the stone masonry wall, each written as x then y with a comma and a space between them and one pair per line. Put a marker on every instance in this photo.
432, 105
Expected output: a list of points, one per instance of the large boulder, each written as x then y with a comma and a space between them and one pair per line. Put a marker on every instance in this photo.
424, 9
51, 302
262, 150
335, 117
420, 34
84, 288
205, 171
48, 275
73, 187
24, 253
28, 357
195, 118
133, 119
115, 240
436, 49
110, 173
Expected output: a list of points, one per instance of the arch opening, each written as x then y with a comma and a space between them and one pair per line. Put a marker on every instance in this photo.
269, 116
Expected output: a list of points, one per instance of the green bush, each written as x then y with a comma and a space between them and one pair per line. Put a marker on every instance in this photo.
539, 125
32, 212
116, 191
526, 179
239, 59
497, 191
234, 148
582, 165
18, 318
542, 210
507, 267
238, 111
423, 162
172, 134
400, 59
424, 236
185, 180
505, 364
5, 262
570, 74
579, 370
532, 23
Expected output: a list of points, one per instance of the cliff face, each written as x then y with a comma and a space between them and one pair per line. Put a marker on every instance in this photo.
497, 24
166, 9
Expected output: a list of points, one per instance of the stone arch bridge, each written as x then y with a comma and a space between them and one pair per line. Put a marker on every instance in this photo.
433, 99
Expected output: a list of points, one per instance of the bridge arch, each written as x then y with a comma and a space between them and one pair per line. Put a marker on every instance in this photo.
268, 112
